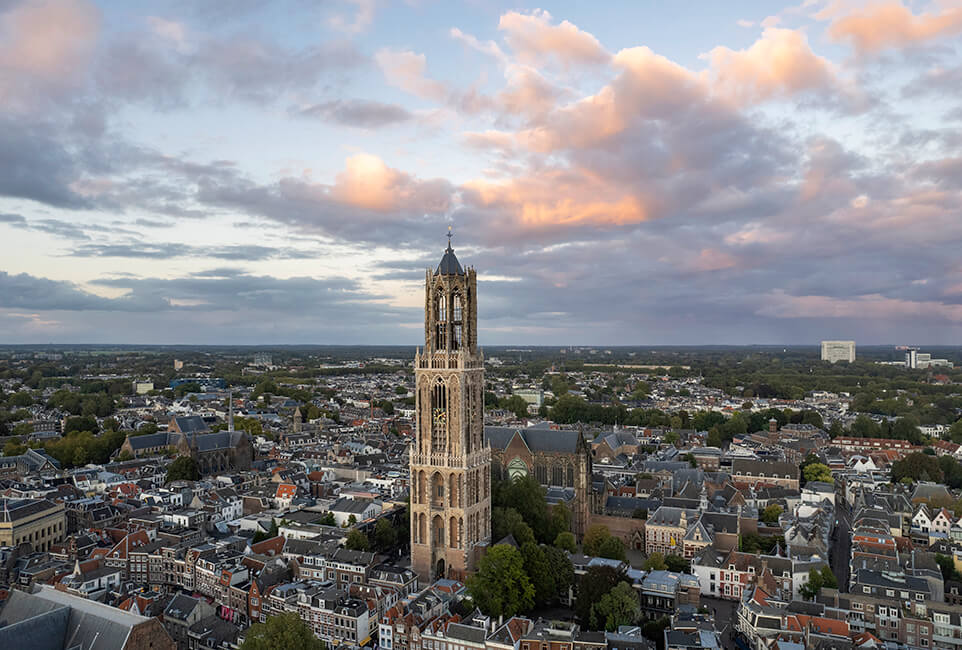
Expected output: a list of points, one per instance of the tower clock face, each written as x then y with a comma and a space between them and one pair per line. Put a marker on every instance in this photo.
440, 415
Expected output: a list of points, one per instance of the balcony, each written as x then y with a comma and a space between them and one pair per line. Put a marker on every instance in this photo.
457, 360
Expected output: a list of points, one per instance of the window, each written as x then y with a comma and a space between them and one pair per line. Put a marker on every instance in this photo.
890, 593
866, 590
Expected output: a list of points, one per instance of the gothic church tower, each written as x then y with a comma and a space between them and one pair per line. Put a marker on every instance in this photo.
450, 465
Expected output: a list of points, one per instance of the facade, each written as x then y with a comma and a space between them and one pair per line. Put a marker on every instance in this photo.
449, 463
39, 522
555, 458
218, 451
835, 351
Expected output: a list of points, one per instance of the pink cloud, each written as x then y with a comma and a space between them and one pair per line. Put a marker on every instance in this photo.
405, 70
45, 43
367, 182
534, 39
779, 64
892, 24
556, 198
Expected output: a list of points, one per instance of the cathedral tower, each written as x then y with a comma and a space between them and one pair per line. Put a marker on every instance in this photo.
450, 466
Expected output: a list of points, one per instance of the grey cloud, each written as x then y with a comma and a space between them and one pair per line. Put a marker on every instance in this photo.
365, 114
166, 250
36, 166
24, 291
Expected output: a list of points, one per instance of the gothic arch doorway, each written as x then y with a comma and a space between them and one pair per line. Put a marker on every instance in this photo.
440, 568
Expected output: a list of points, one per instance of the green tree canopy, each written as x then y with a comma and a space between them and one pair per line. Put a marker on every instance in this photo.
500, 587
592, 587
655, 562
357, 541
285, 630
566, 541
385, 535
918, 467
539, 573
612, 548
594, 538
818, 472
620, 606
771, 513
183, 468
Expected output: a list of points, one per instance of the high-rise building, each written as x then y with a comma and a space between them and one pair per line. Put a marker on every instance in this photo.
834, 351
450, 465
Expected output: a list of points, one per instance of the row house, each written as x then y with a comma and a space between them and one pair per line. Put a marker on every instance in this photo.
764, 472
767, 622
929, 523
727, 575
920, 625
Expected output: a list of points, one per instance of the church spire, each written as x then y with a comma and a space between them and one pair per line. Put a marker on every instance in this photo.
449, 263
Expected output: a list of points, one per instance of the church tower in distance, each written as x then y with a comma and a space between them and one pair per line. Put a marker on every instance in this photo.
450, 464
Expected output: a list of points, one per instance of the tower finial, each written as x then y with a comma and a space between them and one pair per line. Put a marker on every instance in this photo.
449, 238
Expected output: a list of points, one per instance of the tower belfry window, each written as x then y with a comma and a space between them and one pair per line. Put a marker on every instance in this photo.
440, 342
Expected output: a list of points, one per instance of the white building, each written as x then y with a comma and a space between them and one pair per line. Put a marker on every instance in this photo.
834, 351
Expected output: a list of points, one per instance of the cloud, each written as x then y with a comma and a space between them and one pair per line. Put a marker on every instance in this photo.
365, 114
24, 291
779, 64
45, 46
367, 202
170, 250
535, 40
37, 165
405, 70
893, 25
363, 16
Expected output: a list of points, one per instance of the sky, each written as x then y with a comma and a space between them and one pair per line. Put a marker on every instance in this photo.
623, 173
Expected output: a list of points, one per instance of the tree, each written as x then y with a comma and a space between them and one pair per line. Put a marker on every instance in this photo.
918, 467
357, 541
592, 587
500, 587
328, 519
864, 427
539, 573
612, 548
285, 630
385, 536
508, 521
559, 521
816, 580
672, 437
184, 468
818, 472
14, 448
566, 541
771, 513
124, 456
593, 539
677, 563
655, 562
560, 564
619, 606
526, 496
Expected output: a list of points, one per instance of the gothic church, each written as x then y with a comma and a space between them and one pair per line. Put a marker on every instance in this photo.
449, 461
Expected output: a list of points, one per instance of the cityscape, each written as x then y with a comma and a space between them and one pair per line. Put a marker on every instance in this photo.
650, 341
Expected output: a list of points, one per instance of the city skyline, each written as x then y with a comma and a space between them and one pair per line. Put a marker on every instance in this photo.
649, 175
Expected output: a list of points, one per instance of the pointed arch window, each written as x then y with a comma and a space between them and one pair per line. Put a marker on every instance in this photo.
441, 307
456, 321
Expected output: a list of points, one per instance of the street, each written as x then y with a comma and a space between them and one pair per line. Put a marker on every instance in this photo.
841, 547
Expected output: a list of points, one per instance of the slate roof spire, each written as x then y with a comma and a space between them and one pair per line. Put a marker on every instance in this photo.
449, 263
